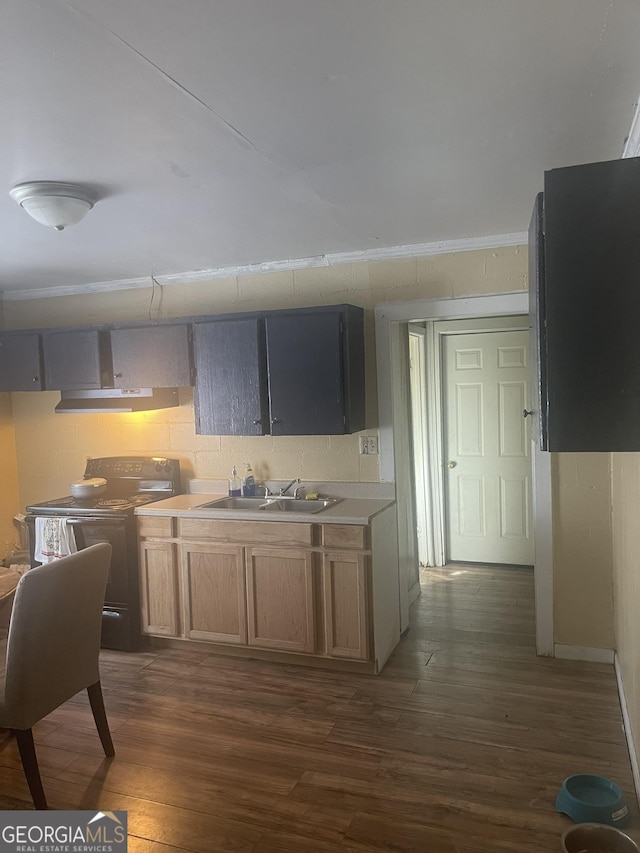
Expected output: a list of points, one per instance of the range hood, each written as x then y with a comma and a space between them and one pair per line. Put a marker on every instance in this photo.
117, 400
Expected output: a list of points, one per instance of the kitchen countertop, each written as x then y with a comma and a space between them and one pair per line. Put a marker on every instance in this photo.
347, 511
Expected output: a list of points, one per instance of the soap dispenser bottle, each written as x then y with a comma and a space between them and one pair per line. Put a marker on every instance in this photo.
235, 484
249, 483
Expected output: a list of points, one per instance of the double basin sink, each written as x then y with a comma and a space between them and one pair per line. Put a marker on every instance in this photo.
272, 503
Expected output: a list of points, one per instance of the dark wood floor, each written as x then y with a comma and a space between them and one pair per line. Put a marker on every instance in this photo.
460, 745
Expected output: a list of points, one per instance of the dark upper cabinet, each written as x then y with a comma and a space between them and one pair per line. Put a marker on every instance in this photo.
129, 357
21, 362
587, 287
293, 372
231, 378
151, 356
304, 367
315, 370
290, 372
77, 359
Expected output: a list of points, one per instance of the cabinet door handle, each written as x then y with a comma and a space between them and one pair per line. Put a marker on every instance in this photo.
257, 423
451, 464
527, 412
35, 378
117, 375
275, 420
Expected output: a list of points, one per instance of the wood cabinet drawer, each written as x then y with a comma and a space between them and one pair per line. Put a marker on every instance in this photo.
154, 525
350, 536
246, 532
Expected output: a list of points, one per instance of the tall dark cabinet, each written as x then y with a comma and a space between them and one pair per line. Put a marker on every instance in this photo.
537, 326
585, 280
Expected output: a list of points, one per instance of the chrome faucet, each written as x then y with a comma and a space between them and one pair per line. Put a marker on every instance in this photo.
267, 491
297, 489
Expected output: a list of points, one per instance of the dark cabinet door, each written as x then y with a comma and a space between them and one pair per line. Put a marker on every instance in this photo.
305, 371
592, 306
76, 359
21, 363
151, 357
537, 327
230, 394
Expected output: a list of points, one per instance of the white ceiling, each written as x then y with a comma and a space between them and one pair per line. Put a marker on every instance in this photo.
225, 133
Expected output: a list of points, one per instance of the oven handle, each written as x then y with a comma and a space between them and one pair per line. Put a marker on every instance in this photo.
94, 519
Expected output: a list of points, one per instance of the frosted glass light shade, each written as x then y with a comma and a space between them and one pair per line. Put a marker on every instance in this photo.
56, 205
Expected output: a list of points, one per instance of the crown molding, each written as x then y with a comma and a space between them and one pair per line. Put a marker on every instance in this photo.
443, 247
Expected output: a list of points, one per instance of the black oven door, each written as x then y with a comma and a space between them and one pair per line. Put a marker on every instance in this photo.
90, 531
121, 610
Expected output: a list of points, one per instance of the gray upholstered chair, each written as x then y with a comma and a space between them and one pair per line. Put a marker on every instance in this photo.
52, 650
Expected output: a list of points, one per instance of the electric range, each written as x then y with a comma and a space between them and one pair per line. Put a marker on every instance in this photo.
110, 517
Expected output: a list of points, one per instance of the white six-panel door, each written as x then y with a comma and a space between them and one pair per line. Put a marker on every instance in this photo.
487, 448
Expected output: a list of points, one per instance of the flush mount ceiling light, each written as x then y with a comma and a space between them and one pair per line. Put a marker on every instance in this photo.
54, 204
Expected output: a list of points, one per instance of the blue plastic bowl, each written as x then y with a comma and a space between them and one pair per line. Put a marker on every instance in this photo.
592, 799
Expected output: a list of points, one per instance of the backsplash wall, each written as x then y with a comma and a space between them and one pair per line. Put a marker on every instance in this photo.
47, 467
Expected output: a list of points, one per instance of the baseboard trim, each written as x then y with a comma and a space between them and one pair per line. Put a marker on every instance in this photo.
583, 653
414, 592
626, 723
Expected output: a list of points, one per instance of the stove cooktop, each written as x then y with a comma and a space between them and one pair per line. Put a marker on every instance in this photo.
131, 481
104, 505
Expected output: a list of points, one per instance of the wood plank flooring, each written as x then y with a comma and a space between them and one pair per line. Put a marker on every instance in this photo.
459, 746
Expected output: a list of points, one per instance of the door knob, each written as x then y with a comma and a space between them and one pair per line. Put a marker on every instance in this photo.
451, 464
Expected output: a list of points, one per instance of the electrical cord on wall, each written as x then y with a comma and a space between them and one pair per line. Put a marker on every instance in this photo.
154, 286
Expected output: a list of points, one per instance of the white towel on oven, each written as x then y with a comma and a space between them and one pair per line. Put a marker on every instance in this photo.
54, 539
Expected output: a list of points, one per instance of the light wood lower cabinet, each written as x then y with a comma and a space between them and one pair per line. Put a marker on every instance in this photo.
159, 589
213, 584
301, 588
347, 626
280, 599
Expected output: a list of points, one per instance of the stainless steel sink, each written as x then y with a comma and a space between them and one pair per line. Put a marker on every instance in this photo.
272, 504
234, 503
279, 505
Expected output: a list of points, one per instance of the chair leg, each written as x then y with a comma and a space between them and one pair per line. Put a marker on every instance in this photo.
100, 717
27, 751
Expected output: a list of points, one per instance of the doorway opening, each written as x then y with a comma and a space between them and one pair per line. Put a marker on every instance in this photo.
396, 460
471, 444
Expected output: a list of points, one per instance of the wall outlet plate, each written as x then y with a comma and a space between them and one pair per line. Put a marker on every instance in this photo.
368, 445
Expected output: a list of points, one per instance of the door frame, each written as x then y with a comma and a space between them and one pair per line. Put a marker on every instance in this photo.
443, 329
421, 432
391, 321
